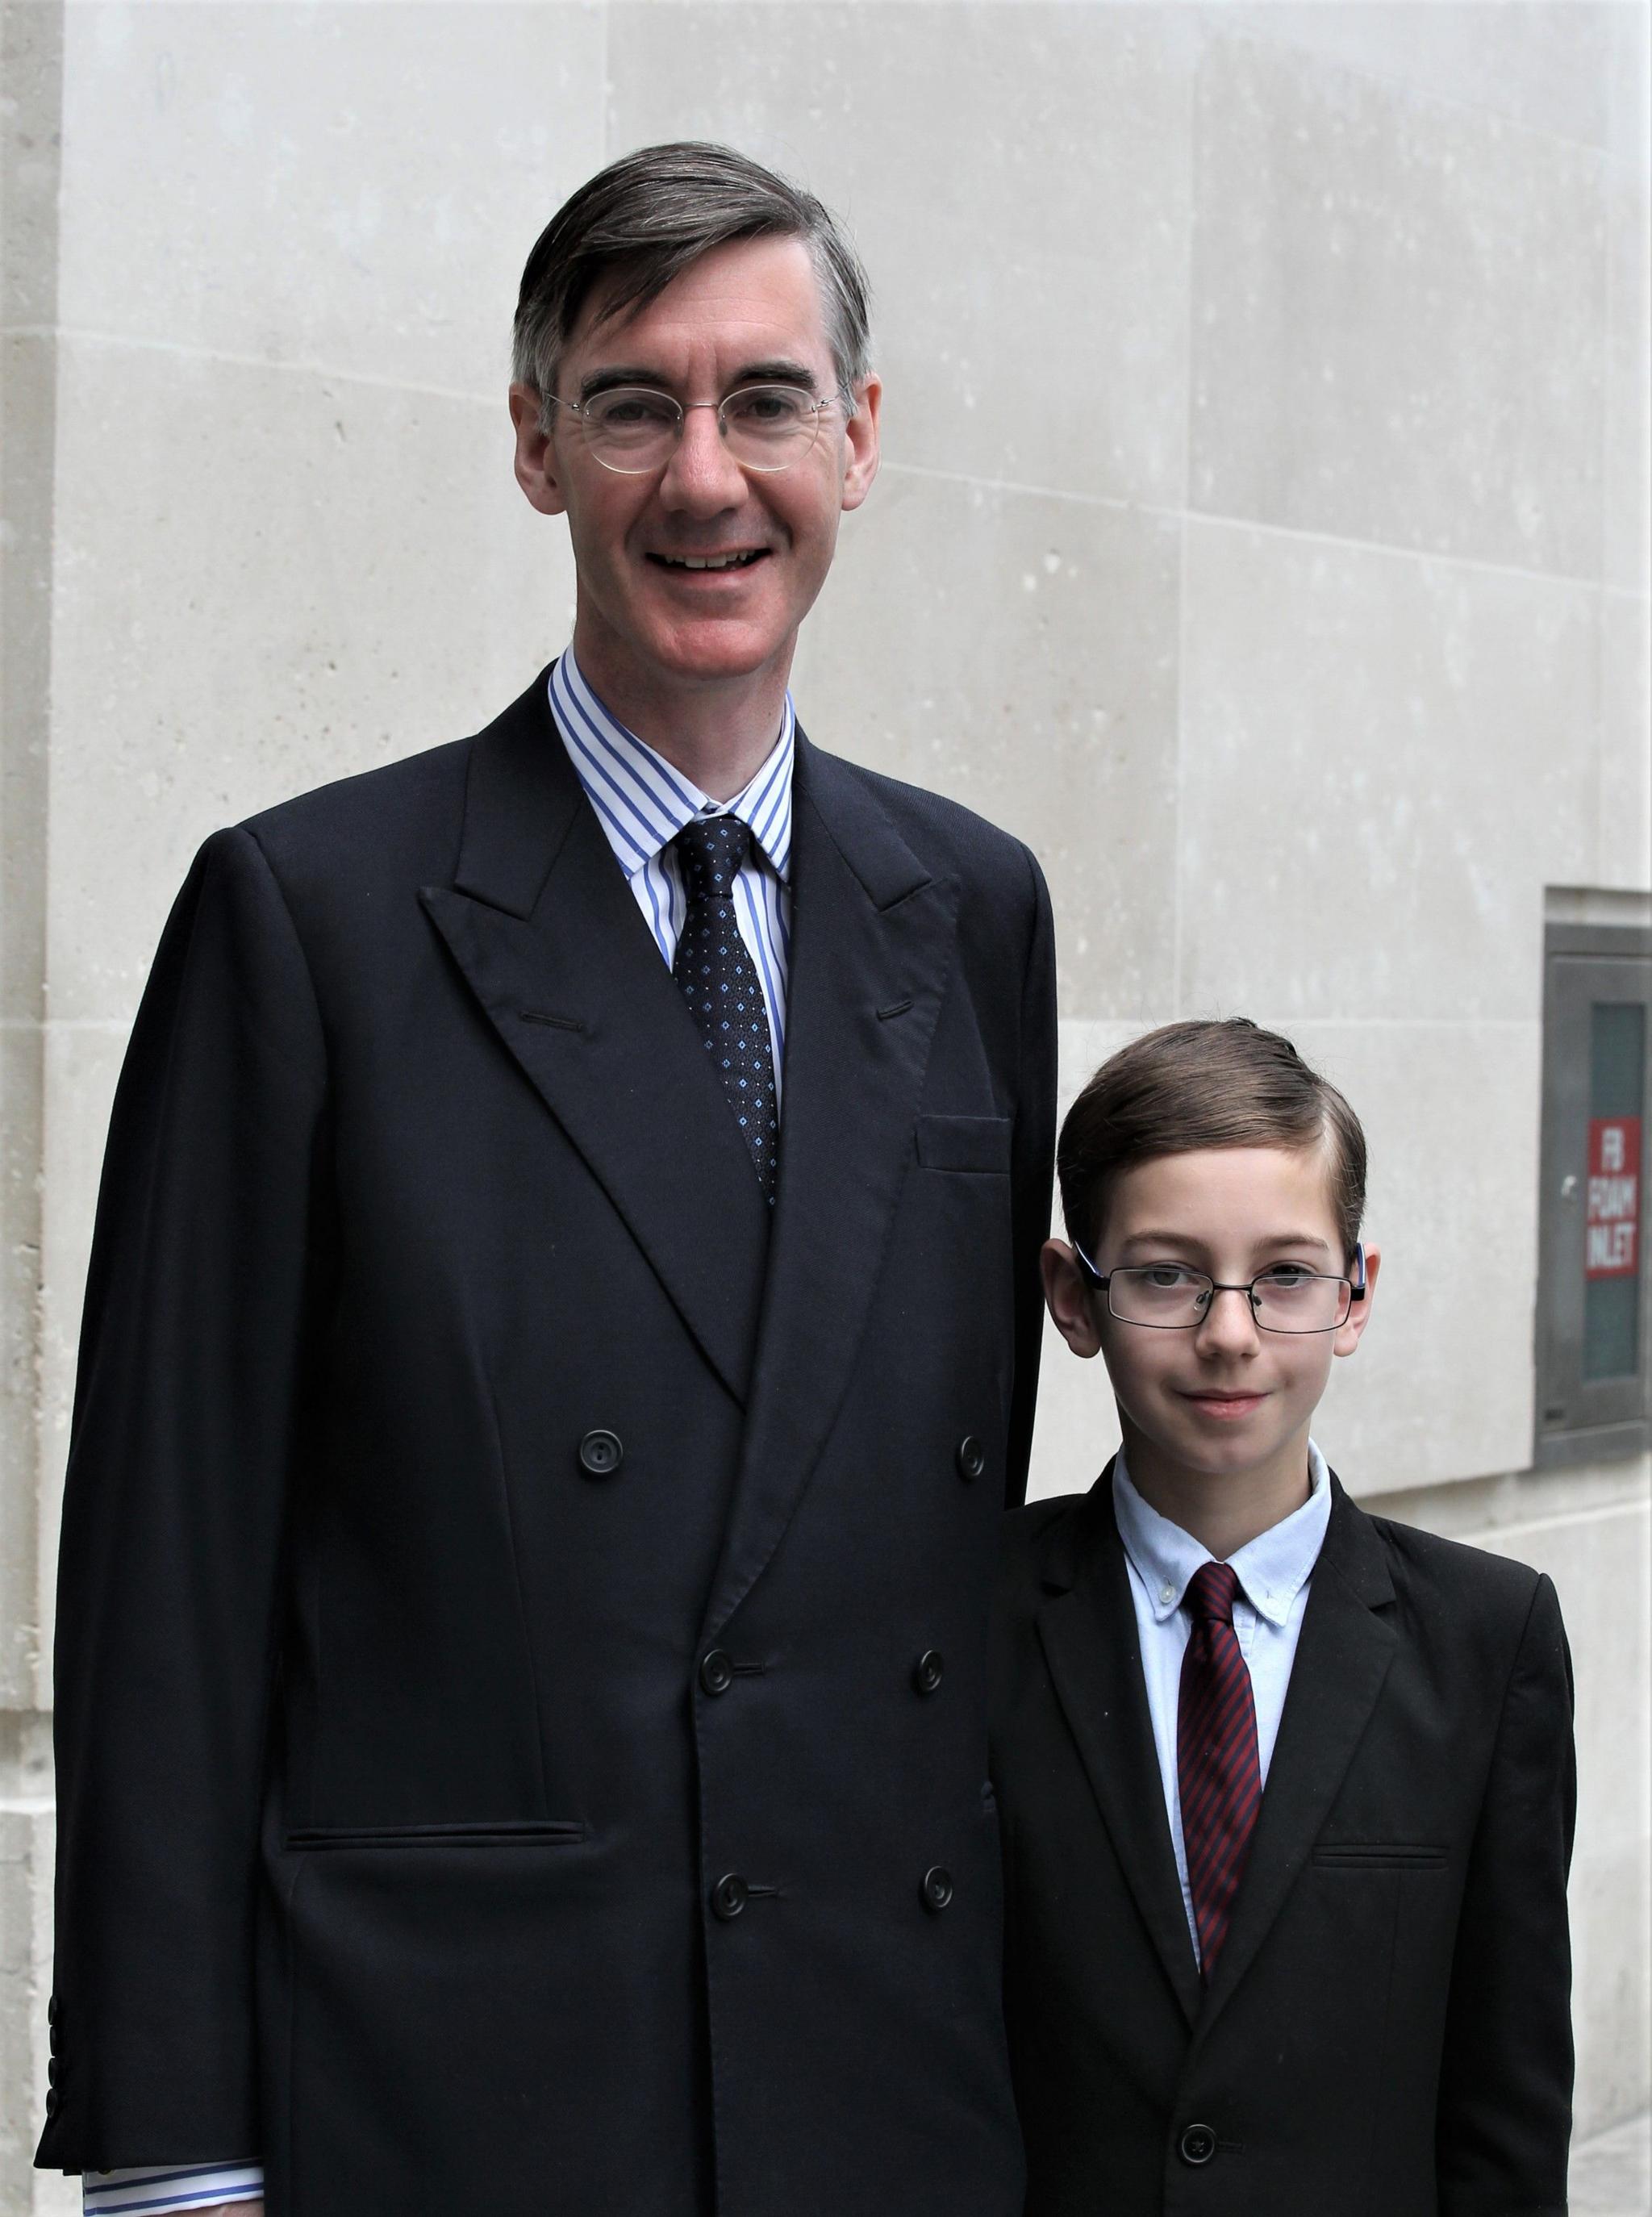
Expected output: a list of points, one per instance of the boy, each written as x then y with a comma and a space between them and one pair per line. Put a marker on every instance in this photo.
1287, 1790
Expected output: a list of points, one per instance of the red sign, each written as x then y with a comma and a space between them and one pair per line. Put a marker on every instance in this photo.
1614, 1214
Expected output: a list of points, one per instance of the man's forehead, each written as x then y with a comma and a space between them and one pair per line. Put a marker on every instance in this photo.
753, 305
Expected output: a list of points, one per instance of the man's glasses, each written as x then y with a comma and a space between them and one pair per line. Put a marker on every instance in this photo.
632, 429
1170, 1297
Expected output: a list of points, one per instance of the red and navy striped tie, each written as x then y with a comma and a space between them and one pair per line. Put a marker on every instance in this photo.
1217, 1771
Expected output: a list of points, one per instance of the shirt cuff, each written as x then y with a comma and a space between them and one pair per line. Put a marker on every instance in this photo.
152, 2188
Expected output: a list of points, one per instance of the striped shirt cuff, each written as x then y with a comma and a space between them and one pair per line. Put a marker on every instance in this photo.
152, 2188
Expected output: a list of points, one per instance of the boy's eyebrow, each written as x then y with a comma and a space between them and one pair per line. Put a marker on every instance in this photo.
1192, 1239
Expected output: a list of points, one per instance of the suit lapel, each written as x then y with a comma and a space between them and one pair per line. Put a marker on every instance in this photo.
549, 937
1092, 1644
1342, 1658
873, 938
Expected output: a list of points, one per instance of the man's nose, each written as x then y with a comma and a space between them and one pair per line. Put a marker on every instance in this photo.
702, 478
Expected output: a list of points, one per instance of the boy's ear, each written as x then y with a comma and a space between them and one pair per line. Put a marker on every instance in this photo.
1349, 1335
1070, 1297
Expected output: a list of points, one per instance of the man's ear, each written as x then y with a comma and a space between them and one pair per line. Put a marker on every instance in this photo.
537, 468
1349, 1335
1070, 1297
860, 436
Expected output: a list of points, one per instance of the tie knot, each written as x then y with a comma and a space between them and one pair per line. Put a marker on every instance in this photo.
1209, 1592
712, 849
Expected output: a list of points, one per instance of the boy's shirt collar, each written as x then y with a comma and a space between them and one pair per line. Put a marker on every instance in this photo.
1272, 1569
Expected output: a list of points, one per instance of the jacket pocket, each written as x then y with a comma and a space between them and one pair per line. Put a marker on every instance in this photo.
547, 1831
1377, 1854
963, 1143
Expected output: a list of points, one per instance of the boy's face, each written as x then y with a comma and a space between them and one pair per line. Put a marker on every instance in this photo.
1224, 1399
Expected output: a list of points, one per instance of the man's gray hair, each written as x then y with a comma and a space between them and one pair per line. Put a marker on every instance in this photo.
643, 220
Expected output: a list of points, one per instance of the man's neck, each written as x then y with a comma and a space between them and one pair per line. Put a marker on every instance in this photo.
718, 732
1226, 1510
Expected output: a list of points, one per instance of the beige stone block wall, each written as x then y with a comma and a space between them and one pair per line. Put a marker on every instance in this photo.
1262, 535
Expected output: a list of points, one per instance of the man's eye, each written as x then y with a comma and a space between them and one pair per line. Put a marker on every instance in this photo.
767, 405
630, 411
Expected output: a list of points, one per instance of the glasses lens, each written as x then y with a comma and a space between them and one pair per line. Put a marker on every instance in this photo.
1159, 1293
632, 428
769, 427
1300, 1301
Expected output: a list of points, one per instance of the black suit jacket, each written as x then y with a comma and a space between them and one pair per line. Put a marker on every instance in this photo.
394, 1795
1387, 2030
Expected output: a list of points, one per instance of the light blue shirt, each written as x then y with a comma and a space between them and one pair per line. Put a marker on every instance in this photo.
642, 803
1273, 1570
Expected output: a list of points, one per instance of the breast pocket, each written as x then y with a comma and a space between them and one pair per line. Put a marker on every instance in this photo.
1377, 1855
979, 1143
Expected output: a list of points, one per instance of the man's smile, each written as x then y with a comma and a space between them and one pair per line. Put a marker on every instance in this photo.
740, 558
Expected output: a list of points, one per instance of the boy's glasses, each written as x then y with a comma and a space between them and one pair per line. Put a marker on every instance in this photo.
1170, 1297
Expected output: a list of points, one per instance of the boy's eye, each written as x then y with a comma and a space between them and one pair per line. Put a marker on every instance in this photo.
1169, 1277
1287, 1277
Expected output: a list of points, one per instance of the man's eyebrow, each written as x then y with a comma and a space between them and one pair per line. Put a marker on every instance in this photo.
777, 372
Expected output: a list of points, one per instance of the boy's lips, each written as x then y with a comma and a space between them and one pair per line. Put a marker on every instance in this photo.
1236, 1401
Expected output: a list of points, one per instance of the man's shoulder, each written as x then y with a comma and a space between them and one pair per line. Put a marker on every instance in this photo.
942, 832
369, 811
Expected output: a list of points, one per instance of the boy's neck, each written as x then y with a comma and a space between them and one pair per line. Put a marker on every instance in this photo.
1226, 1510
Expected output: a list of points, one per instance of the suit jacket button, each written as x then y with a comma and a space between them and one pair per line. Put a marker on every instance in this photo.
729, 1896
1197, 2145
52, 2010
601, 1453
51, 2101
927, 1671
971, 1457
717, 1673
937, 1888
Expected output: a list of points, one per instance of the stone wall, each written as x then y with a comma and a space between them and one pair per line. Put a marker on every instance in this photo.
1262, 534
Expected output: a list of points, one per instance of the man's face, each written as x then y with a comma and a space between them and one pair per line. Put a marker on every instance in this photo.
743, 313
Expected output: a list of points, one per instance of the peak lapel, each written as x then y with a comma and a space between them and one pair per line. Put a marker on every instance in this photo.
1342, 1658
545, 930
1092, 1646
871, 929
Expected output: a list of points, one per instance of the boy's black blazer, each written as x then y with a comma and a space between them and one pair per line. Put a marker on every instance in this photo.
486, 1535
1388, 2031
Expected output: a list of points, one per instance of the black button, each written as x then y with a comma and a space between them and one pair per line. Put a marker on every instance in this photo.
927, 1671
937, 1888
971, 1457
717, 1673
52, 2071
52, 2010
51, 2101
601, 1453
729, 1896
1197, 2145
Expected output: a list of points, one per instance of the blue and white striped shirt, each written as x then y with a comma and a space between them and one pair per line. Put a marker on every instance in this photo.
642, 803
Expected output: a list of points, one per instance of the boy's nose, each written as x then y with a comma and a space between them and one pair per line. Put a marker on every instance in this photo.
1229, 1320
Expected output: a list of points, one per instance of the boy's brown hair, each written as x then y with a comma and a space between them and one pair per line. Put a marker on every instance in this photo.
1226, 1083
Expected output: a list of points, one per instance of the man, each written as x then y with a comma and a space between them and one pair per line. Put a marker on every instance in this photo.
563, 1322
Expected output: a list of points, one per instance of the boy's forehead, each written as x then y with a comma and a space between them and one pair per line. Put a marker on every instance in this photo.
1258, 1193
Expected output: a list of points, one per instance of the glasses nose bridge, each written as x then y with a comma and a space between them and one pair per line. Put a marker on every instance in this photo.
1210, 1310
696, 458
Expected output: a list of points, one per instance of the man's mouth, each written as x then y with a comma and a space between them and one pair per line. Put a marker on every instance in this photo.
741, 558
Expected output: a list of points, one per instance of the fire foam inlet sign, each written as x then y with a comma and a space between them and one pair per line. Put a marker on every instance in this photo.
1614, 1197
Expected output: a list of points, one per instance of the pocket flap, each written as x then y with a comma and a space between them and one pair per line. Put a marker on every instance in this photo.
963, 1143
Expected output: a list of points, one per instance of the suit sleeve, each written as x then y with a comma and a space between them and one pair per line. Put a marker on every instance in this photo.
1033, 1168
188, 1413
1506, 2087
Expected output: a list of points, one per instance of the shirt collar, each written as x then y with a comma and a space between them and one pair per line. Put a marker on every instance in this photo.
1272, 1569
642, 802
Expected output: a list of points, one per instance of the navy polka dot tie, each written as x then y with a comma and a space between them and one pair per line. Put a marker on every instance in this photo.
719, 983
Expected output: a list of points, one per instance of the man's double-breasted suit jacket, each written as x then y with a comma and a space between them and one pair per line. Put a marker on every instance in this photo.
487, 1532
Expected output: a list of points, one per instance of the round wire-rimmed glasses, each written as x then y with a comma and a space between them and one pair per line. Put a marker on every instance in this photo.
635, 429
1172, 1297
